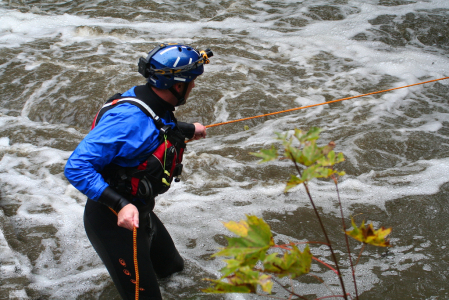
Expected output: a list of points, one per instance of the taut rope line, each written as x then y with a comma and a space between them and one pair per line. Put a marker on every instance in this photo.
323, 103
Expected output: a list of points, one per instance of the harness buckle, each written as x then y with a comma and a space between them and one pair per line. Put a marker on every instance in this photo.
164, 129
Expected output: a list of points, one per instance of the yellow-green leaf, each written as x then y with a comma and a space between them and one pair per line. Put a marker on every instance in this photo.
245, 280
266, 154
221, 287
255, 239
293, 263
311, 135
367, 234
294, 181
239, 228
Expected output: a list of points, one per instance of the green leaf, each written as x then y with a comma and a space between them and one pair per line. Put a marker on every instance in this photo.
266, 283
232, 265
311, 135
239, 228
266, 154
293, 153
316, 171
330, 159
294, 181
311, 153
254, 240
340, 158
281, 136
368, 235
294, 263
221, 287
245, 280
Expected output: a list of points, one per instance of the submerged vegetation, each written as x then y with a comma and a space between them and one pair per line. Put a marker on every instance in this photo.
256, 263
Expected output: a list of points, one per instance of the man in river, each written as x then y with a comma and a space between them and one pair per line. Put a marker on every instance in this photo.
131, 155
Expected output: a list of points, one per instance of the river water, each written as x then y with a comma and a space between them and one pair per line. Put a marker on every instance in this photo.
60, 60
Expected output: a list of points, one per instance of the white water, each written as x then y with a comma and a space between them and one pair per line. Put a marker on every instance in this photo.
52, 51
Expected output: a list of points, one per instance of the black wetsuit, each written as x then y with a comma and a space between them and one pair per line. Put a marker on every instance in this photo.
157, 256
156, 253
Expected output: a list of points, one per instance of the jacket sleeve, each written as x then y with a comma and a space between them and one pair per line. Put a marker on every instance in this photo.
125, 136
187, 129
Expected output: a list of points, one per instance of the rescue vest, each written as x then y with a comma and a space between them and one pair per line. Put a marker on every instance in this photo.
155, 175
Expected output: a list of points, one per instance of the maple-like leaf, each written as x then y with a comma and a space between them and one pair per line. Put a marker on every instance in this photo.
255, 238
266, 154
245, 280
367, 234
293, 263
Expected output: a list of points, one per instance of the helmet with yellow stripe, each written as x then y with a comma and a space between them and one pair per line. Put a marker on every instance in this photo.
170, 63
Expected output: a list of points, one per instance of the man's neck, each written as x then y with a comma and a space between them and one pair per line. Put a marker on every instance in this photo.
165, 95
156, 102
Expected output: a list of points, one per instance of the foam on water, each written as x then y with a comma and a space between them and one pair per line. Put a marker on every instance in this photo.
60, 63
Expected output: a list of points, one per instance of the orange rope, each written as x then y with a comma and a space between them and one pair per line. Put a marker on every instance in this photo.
136, 266
313, 105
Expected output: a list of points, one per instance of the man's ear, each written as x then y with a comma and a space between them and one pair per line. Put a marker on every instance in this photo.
179, 87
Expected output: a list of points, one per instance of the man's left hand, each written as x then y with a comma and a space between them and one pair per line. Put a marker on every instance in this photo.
200, 131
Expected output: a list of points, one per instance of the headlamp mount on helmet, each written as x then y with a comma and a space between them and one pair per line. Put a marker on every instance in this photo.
168, 64
147, 70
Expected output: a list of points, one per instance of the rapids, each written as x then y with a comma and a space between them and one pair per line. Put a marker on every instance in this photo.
60, 60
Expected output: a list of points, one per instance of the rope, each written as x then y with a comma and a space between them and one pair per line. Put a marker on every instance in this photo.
329, 102
136, 266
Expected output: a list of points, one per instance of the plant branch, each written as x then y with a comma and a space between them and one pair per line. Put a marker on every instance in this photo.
322, 281
360, 254
327, 265
284, 246
291, 293
340, 277
346, 236
270, 296
299, 243
332, 296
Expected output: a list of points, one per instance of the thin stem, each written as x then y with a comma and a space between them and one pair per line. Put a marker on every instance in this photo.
270, 296
291, 284
346, 237
327, 265
291, 293
299, 243
360, 254
340, 277
328, 288
284, 246
332, 296
322, 281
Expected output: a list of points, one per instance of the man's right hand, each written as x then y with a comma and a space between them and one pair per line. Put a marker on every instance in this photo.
128, 217
127, 213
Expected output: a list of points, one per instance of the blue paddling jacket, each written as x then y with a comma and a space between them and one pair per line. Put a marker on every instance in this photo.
125, 136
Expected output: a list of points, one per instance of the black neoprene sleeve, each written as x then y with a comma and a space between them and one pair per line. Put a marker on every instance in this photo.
112, 199
187, 129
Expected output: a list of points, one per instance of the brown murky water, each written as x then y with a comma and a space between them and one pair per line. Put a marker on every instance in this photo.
60, 60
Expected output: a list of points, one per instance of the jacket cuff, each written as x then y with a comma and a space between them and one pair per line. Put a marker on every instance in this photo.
112, 199
187, 129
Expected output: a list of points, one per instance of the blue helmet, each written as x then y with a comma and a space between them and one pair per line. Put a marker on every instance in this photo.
170, 63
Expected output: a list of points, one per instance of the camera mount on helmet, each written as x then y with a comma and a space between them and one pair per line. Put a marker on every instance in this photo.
170, 63
146, 68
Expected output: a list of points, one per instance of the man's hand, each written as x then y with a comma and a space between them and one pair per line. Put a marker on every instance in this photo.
200, 131
128, 217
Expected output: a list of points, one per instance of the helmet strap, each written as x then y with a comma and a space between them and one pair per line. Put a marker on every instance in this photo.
180, 96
